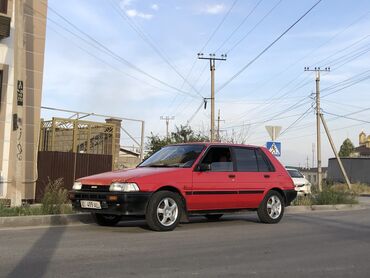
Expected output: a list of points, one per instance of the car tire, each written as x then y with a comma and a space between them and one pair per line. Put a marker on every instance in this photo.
106, 219
213, 217
271, 209
164, 211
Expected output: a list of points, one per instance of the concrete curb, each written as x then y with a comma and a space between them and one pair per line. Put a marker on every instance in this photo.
45, 220
85, 218
294, 209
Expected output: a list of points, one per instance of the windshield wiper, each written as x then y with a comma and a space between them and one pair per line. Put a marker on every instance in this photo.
163, 165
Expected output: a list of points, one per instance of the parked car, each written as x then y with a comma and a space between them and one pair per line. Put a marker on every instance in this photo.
186, 179
301, 184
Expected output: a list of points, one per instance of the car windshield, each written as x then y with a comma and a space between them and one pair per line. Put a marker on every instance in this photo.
295, 173
174, 156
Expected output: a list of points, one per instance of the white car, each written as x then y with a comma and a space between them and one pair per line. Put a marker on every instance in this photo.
301, 184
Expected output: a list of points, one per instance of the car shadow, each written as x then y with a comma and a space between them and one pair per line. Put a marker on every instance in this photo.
195, 221
35, 262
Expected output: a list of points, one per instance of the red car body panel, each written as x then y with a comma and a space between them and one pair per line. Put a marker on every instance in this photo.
203, 191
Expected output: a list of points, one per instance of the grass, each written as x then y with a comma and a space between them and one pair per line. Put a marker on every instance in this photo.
330, 195
55, 201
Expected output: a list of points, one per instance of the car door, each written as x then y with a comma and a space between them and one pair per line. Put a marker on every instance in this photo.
215, 188
254, 174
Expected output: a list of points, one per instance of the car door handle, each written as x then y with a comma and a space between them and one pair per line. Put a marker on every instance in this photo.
232, 176
266, 176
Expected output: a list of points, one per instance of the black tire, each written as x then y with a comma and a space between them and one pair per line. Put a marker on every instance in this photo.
271, 215
156, 220
213, 217
106, 219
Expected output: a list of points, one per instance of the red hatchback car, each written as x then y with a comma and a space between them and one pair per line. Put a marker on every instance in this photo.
184, 179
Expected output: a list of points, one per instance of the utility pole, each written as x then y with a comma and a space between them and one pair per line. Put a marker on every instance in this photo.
318, 70
212, 64
335, 152
319, 119
218, 126
167, 119
313, 155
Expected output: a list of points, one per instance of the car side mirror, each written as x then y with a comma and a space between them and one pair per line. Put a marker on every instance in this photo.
204, 167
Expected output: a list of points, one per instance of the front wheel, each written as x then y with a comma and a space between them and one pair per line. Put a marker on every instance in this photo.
271, 209
106, 219
164, 211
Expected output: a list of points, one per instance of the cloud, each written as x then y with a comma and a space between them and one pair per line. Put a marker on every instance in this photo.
135, 13
155, 7
126, 3
214, 9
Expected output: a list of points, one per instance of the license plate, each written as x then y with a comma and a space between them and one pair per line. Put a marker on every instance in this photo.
90, 204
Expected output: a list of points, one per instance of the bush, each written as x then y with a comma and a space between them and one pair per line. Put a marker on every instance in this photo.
357, 188
330, 195
55, 200
334, 196
302, 201
23, 210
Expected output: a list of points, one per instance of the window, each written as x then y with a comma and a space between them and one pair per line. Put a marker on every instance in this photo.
219, 158
3, 6
246, 160
264, 164
174, 156
295, 173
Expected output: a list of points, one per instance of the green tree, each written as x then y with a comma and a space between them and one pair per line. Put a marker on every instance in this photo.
183, 134
346, 149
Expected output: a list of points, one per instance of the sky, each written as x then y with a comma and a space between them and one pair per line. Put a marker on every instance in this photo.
138, 59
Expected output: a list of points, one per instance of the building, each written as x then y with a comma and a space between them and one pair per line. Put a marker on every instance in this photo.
22, 45
363, 150
128, 158
311, 173
357, 165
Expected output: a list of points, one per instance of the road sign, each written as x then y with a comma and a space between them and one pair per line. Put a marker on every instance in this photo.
274, 131
274, 148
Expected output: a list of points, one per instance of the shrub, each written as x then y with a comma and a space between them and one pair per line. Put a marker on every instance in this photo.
357, 188
302, 201
55, 200
334, 196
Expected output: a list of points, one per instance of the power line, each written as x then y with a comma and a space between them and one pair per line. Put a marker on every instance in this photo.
300, 118
254, 27
146, 38
203, 47
240, 25
108, 51
268, 47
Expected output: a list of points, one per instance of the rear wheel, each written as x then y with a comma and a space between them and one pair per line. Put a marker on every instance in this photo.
271, 209
213, 217
164, 211
106, 219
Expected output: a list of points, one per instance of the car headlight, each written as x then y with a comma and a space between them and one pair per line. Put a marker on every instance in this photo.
77, 185
124, 187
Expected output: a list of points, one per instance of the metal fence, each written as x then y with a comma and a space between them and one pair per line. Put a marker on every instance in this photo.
69, 166
71, 135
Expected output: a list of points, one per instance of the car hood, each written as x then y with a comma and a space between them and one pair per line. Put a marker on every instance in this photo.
300, 181
126, 175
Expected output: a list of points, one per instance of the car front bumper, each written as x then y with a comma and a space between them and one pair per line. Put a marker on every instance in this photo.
117, 203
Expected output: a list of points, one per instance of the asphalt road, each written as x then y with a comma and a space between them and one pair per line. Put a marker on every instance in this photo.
315, 244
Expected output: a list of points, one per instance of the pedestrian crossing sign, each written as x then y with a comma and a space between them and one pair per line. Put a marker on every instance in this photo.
274, 148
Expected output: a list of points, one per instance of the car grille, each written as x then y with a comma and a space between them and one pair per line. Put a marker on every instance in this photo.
94, 188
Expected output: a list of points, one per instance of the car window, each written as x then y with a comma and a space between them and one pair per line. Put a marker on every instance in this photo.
174, 156
219, 158
246, 160
295, 173
264, 164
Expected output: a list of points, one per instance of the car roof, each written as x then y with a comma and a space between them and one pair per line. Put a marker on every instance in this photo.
288, 168
215, 144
